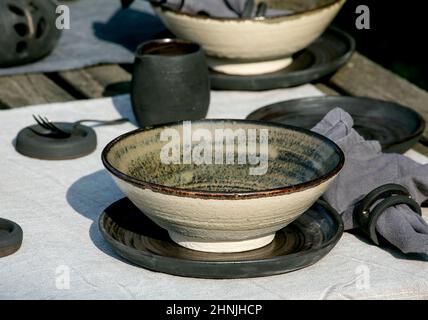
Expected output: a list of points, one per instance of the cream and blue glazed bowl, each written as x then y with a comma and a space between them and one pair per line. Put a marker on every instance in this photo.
257, 45
237, 202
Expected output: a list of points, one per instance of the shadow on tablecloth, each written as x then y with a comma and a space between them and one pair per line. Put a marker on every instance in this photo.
89, 196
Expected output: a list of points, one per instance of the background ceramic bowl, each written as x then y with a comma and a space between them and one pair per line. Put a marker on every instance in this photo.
222, 207
253, 46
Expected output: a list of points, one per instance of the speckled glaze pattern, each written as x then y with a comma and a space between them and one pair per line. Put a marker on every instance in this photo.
254, 39
224, 202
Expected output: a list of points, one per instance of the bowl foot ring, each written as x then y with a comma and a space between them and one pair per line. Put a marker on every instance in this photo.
220, 246
248, 68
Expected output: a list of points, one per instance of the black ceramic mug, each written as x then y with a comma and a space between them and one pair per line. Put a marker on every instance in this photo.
170, 82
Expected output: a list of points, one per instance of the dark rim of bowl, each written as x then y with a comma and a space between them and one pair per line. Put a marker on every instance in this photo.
255, 115
224, 195
281, 17
182, 42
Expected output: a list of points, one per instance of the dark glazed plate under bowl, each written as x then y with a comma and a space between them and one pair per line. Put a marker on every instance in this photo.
396, 127
139, 240
324, 56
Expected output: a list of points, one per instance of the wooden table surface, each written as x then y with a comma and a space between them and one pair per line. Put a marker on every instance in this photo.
360, 77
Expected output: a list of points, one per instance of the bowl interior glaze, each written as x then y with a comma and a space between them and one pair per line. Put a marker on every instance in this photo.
297, 158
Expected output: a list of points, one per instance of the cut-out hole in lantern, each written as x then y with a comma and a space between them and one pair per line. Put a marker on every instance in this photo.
14, 9
21, 29
203, 13
33, 7
41, 27
21, 47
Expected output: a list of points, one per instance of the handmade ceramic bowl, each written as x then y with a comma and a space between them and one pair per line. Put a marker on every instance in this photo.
222, 185
254, 46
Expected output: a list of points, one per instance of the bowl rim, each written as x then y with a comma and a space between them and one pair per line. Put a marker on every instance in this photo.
259, 19
139, 54
204, 194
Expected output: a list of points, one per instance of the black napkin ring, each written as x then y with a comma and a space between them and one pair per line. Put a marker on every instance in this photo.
392, 194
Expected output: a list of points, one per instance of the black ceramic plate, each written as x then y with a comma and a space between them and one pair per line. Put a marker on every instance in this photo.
136, 238
324, 56
10, 237
396, 127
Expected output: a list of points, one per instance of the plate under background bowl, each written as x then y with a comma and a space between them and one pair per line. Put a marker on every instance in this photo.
324, 56
396, 127
136, 238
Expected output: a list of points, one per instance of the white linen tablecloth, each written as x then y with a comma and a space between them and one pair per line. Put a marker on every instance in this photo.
63, 255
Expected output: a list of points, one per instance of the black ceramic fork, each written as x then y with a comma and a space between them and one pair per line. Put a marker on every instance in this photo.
56, 132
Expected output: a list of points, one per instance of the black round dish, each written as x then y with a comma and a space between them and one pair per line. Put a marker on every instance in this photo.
324, 56
10, 237
82, 142
136, 238
396, 127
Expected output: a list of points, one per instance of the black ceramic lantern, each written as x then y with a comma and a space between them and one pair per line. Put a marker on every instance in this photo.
28, 31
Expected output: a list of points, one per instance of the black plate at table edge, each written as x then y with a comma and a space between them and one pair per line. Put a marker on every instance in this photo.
225, 269
399, 146
11, 242
278, 79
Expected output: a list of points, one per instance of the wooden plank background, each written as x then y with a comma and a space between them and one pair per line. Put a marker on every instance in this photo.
360, 77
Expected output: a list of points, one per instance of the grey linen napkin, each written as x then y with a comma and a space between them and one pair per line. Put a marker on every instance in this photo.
222, 8
367, 168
